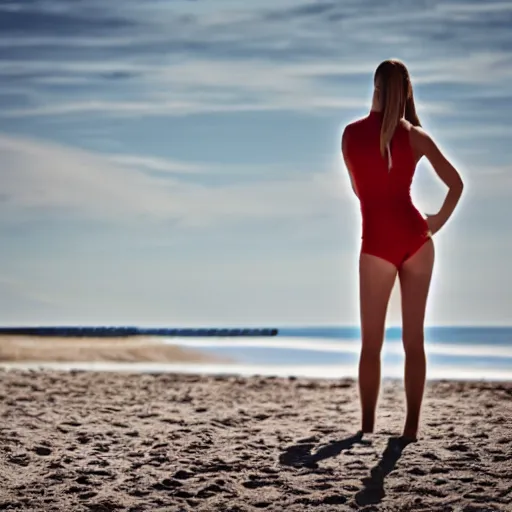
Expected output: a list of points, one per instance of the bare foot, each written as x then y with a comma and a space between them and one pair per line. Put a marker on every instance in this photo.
410, 434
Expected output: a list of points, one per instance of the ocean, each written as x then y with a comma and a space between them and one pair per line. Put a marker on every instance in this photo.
452, 352
332, 352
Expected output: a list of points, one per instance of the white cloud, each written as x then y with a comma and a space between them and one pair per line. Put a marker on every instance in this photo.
481, 68
200, 86
472, 131
168, 108
474, 8
37, 176
491, 182
158, 164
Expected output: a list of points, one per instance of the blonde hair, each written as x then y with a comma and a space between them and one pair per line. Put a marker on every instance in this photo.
396, 99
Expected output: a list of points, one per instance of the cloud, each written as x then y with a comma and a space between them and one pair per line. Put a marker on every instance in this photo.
40, 178
27, 21
475, 9
169, 168
200, 86
162, 165
158, 109
303, 11
492, 182
189, 58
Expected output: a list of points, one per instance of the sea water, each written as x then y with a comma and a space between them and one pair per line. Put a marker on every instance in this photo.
452, 352
332, 352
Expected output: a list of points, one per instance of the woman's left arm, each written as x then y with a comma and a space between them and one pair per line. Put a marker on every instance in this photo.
446, 172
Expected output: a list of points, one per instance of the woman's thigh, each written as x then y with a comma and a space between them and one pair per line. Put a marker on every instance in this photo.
376, 279
415, 276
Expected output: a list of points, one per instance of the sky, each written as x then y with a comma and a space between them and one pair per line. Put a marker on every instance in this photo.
177, 163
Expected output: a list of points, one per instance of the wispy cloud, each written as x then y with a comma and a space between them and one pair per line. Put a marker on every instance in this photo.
475, 9
42, 178
190, 59
47, 179
169, 167
202, 87
58, 18
159, 108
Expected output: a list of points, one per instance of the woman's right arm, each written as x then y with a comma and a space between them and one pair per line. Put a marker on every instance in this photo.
344, 140
445, 170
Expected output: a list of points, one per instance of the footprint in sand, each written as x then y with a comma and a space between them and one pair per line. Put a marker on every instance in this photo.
262, 504
104, 506
71, 423
183, 475
87, 495
43, 451
458, 447
21, 459
167, 484
211, 490
83, 438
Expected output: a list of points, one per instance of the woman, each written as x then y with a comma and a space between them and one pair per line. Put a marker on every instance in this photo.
381, 152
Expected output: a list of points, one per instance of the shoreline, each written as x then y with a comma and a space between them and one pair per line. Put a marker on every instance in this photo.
231, 369
149, 354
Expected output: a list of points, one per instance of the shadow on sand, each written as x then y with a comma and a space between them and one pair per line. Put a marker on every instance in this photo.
299, 455
373, 486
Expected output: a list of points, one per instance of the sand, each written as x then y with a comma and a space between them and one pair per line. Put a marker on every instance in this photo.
15, 348
84, 441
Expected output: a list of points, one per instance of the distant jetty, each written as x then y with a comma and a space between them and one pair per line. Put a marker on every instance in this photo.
97, 332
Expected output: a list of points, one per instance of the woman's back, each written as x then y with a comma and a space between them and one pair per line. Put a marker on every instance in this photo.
392, 227
379, 178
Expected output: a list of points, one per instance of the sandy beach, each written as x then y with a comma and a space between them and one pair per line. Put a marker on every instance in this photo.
14, 348
85, 441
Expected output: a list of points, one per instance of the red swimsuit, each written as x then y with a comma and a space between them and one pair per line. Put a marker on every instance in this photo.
393, 229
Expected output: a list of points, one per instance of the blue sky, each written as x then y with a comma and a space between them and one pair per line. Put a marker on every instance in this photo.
177, 162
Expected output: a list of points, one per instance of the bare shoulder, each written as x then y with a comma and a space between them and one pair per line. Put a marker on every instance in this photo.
418, 132
405, 124
421, 140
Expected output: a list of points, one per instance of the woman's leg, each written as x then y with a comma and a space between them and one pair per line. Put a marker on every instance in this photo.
415, 276
376, 279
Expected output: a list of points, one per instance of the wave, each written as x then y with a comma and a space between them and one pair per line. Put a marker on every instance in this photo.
342, 346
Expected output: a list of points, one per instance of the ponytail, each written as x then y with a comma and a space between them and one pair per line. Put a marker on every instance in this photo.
396, 98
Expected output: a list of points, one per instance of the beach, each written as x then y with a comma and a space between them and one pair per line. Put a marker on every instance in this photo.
93, 441
15, 348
